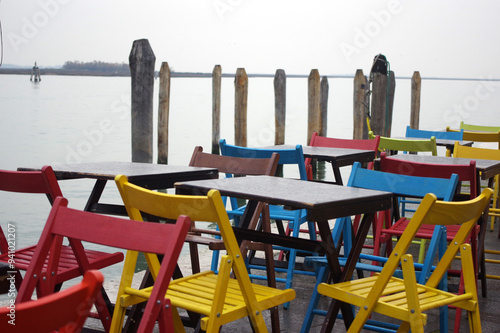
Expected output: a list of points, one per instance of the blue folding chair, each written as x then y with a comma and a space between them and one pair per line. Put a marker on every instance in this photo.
296, 218
400, 185
425, 134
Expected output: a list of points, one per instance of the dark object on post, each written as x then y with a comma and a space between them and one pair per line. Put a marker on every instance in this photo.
379, 64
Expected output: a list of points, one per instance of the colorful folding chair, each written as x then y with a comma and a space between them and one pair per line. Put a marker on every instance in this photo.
295, 218
45, 182
405, 299
78, 226
65, 311
399, 185
219, 298
230, 166
418, 133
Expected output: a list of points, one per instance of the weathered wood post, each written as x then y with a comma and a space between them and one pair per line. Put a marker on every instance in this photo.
379, 104
323, 119
142, 72
359, 108
163, 113
279, 106
240, 107
216, 90
416, 86
390, 103
314, 108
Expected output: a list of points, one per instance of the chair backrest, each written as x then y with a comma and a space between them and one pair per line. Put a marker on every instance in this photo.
66, 310
364, 144
401, 184
479, 136
287, 156
77, 226
406, 145
418, 133
209, 208
231, 165
478, 128
465, 172
476, 152
43, 182
434, 212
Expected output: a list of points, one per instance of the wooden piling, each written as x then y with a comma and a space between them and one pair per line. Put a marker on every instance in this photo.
378, 103
323, 119
314, 109
216, 98
279, 106
142, 72
416, 86
359, 110
390, 103
240, 107
163, 113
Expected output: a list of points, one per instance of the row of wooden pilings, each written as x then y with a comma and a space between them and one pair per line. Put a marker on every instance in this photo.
373, 98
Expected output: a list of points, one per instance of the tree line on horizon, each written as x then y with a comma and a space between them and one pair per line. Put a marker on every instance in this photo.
97, 66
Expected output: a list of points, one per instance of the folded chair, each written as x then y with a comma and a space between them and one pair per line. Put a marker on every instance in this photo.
399, 185
219, 298
230, 166
151, 238
323, 141
295, 218
489, 154
45, 182
65, 311
405, 299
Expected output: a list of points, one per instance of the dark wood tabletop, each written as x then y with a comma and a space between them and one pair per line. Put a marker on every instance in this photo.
341, 156
147, 175
323, 201
487, 168
338, 157
153, 176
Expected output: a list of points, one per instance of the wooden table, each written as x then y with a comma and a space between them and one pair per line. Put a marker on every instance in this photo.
338, 157
151, 176
323, 202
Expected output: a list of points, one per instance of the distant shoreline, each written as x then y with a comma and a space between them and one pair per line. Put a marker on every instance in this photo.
56, 71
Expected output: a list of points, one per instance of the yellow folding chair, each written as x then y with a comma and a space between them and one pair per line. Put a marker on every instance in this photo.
219, 298
404, 299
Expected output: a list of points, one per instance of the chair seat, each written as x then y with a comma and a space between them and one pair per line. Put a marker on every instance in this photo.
393, 300
68, 266
197, 293
425, 230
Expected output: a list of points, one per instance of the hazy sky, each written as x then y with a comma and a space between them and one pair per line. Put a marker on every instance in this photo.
439, 38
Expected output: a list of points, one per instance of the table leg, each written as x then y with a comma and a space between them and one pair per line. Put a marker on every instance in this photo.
336, 173
95, 195
346, 274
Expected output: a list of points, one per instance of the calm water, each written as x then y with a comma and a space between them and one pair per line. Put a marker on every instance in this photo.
67, 119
